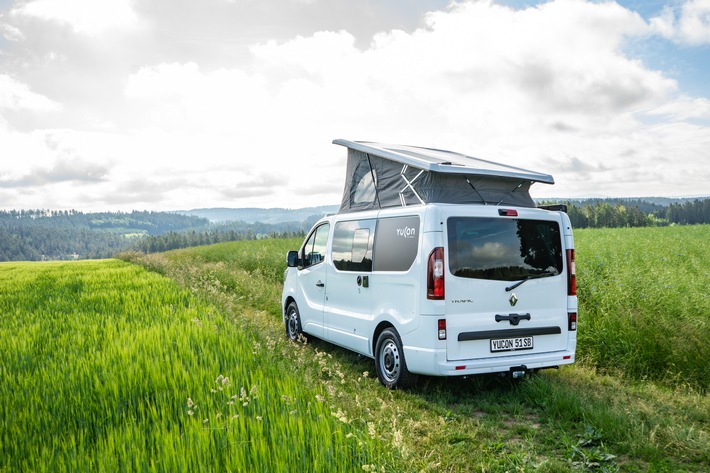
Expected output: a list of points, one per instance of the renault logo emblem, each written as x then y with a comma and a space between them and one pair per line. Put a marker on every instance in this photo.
513, 299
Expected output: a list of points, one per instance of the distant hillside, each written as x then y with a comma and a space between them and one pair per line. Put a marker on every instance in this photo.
27, 235
253, 215
33, 235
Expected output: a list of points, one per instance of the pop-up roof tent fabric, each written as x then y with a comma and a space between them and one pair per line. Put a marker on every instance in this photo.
381, 175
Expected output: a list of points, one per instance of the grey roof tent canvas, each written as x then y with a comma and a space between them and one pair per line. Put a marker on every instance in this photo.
382, 175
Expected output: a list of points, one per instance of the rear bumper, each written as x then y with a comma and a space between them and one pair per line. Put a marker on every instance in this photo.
432, 362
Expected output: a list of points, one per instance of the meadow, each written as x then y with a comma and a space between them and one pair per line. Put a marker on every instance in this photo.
178, 362
644, 305
105, 366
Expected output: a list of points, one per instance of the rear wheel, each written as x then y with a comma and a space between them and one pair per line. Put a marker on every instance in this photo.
389, 361
293, 323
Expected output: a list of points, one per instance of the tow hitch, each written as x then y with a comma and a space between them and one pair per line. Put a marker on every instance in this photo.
517, 372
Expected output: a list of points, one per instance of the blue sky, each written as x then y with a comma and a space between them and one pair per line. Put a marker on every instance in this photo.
688, 64
158, 105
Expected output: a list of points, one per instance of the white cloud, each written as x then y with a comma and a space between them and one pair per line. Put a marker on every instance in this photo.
91, 17
689, 24
548, 88
684, 108
695, 22
14, 95
10, 32
165, 81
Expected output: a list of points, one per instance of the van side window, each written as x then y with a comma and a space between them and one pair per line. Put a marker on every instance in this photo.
396, 243
352, 245
313, 251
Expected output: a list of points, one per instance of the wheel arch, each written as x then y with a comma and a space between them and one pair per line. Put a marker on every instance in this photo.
289, 299
376, 334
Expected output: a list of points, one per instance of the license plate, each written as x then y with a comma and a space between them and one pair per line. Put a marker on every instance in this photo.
510, 344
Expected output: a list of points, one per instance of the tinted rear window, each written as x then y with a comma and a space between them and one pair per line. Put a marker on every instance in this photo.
503, 248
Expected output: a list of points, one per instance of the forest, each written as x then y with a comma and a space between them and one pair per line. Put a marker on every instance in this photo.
43, 235
616, 213
40, 235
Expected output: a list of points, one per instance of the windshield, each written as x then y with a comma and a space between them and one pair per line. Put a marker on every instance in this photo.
503, 249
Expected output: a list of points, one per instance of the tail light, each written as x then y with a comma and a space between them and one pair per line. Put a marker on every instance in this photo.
435, 275
571, 274
572, 321
441, 325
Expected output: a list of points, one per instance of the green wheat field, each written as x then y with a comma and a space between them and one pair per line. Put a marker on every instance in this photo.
178, 362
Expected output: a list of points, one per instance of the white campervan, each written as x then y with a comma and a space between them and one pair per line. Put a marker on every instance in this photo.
437, 264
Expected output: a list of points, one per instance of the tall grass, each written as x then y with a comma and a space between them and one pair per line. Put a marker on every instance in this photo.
644, 310
567, 421
105, 366
147, 385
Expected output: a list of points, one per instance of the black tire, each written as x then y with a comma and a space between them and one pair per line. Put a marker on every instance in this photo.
390, 364
293, 323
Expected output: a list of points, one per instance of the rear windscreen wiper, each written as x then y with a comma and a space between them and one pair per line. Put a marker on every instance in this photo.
528, 278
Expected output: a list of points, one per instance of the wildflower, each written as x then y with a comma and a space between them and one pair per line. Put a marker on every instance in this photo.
341, 416
189, 412
190, 403
397, 441
320, 398
371, 429
259, 418
205, 421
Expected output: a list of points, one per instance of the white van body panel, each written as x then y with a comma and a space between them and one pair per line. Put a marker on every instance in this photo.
353, 306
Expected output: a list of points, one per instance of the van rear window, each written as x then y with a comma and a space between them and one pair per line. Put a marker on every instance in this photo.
503, 249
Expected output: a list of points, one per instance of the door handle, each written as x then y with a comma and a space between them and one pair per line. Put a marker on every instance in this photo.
514, 319
320, 284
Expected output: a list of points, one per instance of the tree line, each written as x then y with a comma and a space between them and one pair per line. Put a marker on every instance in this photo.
34, 235
41, 235
614, 213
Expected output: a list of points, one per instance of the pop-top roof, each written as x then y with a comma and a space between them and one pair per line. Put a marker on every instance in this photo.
381, 176
443, 161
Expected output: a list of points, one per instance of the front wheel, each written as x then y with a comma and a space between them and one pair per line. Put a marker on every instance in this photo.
389, 361
293, 323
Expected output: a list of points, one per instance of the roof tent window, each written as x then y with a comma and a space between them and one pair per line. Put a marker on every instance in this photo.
363, 184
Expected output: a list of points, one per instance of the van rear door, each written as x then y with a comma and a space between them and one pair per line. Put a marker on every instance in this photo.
506, 285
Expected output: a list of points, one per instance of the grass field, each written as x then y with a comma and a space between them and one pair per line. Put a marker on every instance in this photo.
105, 366
644, 309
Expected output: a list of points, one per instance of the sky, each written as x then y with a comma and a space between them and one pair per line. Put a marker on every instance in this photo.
121, 105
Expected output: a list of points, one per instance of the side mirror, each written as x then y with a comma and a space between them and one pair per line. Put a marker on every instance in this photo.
292, 259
